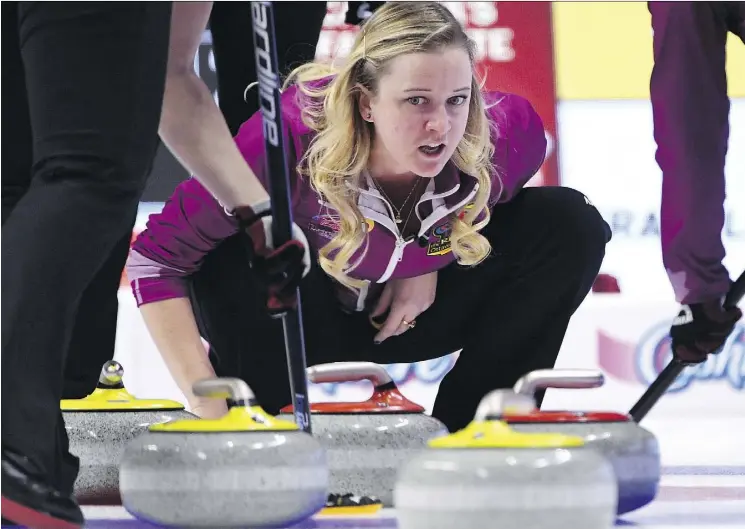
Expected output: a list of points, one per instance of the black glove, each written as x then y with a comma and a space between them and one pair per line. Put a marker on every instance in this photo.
701, 329
358, 12
278, 271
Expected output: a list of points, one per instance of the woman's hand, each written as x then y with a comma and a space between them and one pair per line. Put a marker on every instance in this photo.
404, 300
208, 408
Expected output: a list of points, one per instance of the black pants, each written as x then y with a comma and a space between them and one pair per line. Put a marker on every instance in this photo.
94, 331
509, 314
87, 121
298, 26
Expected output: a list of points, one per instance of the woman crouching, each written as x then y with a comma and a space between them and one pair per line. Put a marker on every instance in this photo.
407, 189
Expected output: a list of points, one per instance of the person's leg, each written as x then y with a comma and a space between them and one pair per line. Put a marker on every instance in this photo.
244, 341
548, 246
298, 26
94, 333
358, 12
736, 19
17, 145
509, 314
688, 90
94, 74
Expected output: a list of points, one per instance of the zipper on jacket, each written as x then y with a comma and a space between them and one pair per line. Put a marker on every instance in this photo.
388, 223
396, 257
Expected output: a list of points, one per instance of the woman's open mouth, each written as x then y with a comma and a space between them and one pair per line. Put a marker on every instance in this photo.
432, 150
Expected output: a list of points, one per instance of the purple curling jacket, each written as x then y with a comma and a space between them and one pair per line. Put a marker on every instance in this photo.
192, 222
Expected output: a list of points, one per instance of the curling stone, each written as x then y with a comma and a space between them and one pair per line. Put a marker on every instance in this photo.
245, 469
489, 476
633, 451
368, 441
99, 427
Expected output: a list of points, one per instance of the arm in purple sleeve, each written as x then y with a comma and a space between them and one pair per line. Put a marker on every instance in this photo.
192, 222
519, 144
691, 110
174, 243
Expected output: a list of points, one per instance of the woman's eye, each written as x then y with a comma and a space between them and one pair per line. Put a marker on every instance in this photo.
416, 100
458, 100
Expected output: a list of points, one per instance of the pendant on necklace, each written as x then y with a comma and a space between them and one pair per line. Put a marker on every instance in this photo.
398, 220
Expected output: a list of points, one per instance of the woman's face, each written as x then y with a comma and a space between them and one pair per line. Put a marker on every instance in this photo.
419, 112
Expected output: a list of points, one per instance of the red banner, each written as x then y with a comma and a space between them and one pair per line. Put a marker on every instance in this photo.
514, 52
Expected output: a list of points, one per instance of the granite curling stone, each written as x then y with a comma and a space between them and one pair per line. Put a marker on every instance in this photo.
367, 442
245, 469
100, 425
632, 450
488, 476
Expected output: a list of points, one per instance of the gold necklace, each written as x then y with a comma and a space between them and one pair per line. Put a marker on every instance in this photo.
408, 217
397, 218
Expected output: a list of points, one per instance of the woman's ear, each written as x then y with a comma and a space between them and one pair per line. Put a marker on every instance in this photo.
365, 103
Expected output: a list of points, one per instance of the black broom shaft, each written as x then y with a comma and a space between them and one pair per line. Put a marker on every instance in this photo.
267, 70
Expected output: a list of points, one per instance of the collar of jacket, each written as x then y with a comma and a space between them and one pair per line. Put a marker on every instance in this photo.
445, 193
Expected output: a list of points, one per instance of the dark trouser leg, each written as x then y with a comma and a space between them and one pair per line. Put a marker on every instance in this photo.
298, 26
549, 244
509, 314
94, 334
736, 19
17, 145
94, 75
244, 341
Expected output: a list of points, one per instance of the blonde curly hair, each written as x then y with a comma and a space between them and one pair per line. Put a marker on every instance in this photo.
339, 151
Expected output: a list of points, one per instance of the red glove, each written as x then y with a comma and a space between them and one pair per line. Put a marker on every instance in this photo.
278, 271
